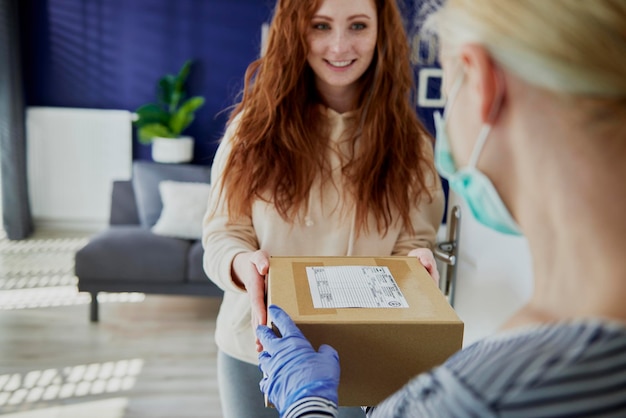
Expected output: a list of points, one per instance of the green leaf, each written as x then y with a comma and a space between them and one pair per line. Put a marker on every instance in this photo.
166, 90
184, 71
147, 132
184, 116
177, 96
178, 87
151, 113
193, 104
180, 120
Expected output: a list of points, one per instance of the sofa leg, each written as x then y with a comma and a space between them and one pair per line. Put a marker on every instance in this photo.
94, 307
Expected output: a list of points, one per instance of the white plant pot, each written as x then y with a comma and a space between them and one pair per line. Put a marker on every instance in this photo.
172, 150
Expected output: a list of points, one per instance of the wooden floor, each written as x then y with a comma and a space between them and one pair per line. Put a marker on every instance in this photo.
145, 358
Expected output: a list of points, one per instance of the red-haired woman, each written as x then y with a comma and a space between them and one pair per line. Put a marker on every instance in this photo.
323, 156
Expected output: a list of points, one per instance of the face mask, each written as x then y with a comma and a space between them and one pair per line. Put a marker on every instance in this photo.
468, 182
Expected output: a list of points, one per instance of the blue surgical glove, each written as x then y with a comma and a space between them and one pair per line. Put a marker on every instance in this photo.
292, 369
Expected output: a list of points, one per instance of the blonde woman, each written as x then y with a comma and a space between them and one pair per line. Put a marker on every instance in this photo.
533, 138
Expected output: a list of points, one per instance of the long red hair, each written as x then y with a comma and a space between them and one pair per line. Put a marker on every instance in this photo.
280, 145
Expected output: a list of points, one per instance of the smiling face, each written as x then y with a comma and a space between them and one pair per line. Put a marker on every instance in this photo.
342, 40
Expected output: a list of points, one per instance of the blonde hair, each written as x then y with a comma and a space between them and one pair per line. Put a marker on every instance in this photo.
568, 46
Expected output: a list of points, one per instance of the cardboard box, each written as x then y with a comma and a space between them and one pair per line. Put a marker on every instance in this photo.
380, 349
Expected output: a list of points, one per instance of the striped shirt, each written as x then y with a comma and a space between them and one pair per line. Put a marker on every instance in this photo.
564, 370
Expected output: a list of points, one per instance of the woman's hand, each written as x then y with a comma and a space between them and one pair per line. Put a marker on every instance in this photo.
250, 269
427, 258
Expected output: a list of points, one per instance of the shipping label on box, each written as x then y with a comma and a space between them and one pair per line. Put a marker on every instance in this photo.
385, 316
354, 287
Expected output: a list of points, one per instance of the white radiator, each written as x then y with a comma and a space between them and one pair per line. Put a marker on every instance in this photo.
73, 155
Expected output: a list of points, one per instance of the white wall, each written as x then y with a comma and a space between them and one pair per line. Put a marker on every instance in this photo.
494, 276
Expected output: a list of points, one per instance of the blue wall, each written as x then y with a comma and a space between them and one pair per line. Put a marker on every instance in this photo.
109, 54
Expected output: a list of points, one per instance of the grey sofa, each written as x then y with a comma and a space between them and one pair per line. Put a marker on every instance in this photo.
129, 257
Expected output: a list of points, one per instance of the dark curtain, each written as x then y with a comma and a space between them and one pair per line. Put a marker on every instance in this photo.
17, 220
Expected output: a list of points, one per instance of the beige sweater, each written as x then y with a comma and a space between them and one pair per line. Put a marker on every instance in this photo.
327, 229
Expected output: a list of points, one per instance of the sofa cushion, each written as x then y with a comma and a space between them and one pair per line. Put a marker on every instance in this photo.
146, 178
195, 268
184, 206
133, 253
123, 204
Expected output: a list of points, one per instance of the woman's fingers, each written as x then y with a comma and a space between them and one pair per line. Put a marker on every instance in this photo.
427, 259
261, 260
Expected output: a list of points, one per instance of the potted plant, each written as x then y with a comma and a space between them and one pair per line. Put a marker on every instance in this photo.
162, 124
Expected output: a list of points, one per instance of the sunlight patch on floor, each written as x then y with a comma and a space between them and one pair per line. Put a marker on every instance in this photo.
108, 408
48, 297
37, 386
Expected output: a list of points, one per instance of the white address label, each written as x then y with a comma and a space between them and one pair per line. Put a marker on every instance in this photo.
354, 287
